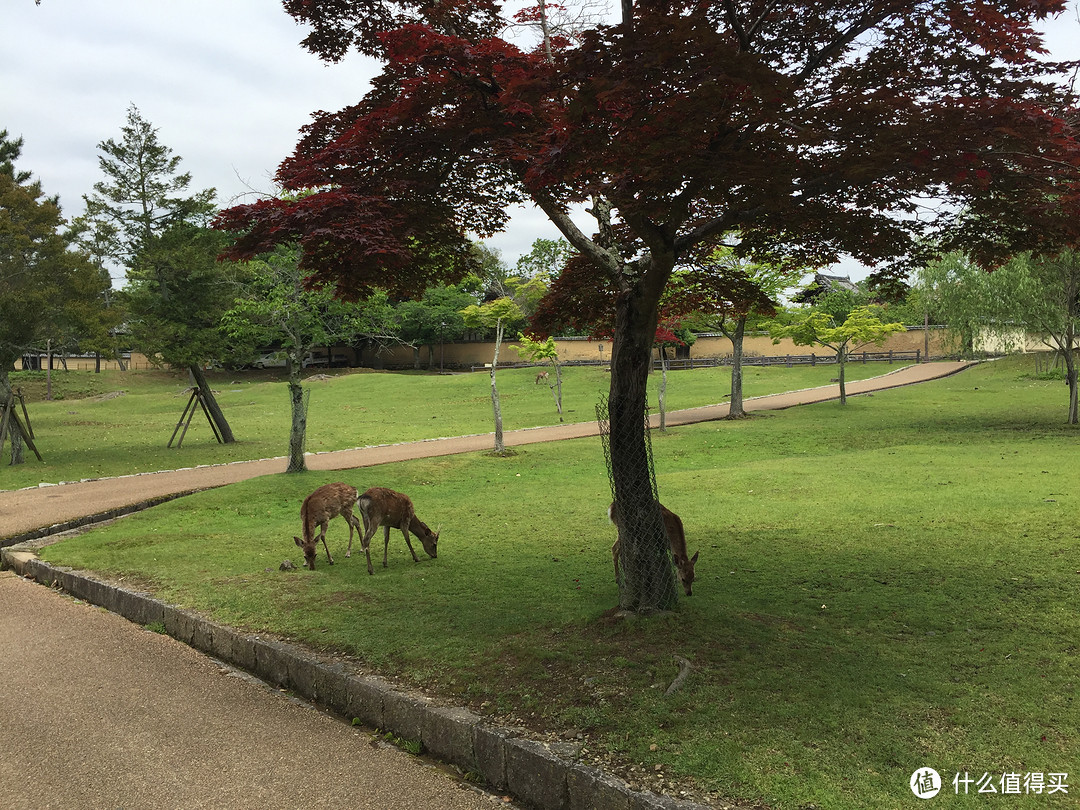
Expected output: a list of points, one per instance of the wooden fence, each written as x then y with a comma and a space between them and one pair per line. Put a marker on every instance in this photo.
790, 360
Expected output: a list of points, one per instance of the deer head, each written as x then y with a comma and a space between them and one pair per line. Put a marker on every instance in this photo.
309, 552
684, 567
430, 540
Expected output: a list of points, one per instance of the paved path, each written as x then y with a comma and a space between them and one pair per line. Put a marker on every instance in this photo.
98, 712
29, 509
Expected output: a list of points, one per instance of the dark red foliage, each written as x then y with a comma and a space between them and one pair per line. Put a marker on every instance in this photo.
813, 124
341, 25
575, 304
818, 126
728, 292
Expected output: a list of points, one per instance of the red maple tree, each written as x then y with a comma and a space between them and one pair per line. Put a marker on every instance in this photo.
819, 126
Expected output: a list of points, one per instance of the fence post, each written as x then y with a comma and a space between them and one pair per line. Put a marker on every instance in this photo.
890, 357
813, 359
788, 360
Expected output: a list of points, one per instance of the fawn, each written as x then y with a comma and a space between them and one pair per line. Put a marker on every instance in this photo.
318, 509
380, 506
684, 565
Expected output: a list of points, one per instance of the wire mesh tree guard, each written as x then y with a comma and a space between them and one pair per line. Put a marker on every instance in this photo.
643, 557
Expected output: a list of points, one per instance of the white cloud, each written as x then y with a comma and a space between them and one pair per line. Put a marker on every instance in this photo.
225, 81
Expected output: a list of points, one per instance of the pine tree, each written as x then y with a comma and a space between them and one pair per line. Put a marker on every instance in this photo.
143, 218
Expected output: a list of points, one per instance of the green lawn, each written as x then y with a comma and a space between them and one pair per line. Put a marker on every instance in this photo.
118, 423
882, 587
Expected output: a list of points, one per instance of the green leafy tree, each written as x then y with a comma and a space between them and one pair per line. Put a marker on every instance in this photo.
276, 306
434, 319
497, 280
546, 258
494, 315
1047, 302
176, 295
859, 327
137, 215
728, 290
1030, 295
90, 318
43, 281
971, 302
544, 351
10, 150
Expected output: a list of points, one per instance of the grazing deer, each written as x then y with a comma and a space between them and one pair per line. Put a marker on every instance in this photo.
543, 375
380, 506
318, 509
684, 565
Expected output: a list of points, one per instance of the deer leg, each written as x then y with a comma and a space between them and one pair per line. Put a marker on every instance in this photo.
408, 542
349, 518
386, 544
322, 536
364, 543
615, 557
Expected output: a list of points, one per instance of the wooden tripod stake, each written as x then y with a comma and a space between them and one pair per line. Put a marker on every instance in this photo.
9, 423
198, 397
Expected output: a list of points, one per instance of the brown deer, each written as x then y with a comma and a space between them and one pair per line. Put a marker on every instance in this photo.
543, 375
380, 506
318, 509
684, 565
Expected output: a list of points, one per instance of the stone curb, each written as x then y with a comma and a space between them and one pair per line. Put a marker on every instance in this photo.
539, 775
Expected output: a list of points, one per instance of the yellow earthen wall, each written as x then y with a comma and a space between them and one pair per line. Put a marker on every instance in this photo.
456, 355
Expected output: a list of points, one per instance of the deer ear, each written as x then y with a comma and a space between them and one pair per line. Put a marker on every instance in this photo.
694, 558
297, 541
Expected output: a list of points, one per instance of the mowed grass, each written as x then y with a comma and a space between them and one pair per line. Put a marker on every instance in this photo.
115, 423
882, 587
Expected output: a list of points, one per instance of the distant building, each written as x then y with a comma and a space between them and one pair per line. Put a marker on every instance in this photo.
821, 285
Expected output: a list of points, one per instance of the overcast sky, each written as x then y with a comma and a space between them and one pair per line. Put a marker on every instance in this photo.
225, 82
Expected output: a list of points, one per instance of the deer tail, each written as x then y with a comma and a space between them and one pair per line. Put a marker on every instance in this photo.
363, 503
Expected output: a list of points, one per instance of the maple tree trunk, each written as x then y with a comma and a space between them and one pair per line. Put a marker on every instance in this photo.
647, 583
735, 408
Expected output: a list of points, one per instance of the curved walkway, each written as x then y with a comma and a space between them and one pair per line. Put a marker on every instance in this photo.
25, 512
